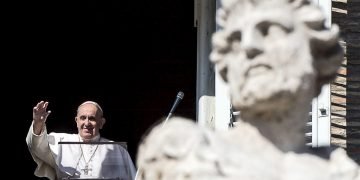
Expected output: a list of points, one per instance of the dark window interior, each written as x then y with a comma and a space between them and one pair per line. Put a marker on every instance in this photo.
132, 57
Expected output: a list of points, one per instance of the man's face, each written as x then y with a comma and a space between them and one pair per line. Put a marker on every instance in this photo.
89, 121
268, 58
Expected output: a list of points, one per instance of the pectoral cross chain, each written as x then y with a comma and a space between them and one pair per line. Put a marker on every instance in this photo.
86, 170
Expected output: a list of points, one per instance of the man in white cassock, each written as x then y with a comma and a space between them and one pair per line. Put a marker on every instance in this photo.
87, 156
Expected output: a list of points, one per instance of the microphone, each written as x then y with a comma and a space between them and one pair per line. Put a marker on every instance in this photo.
179, 97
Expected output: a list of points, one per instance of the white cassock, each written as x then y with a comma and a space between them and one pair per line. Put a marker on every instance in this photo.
86, 161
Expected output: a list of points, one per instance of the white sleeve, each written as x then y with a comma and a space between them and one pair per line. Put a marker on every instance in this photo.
129, 167
40, 151
132, 169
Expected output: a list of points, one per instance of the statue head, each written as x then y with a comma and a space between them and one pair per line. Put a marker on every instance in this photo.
274, 52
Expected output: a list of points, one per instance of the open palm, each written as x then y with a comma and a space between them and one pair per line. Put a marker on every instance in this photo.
40, 112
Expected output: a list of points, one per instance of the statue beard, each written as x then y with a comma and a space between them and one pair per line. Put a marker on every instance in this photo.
270, 88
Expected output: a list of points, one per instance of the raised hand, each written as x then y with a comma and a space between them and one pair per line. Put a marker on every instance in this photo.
40, 115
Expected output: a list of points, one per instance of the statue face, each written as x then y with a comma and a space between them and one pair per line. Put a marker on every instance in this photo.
265, 57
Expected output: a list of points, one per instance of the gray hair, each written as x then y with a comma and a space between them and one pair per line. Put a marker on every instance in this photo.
93, 103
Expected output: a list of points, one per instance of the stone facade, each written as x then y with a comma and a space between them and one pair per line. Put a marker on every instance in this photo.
345, 90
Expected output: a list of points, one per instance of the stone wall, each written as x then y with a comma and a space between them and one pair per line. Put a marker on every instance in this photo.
345, 91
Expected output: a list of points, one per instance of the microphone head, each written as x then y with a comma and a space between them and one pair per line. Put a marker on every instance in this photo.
180, 95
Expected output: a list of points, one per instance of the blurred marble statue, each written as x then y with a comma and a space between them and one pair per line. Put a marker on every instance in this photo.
275, 55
